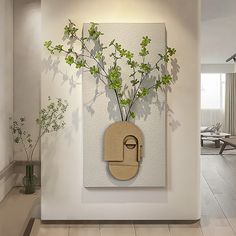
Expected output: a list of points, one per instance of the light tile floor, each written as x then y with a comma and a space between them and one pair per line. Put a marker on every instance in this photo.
120, 230
75, 230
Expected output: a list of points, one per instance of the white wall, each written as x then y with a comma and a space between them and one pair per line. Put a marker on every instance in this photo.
6, 80
218, 31
27, 64
218, 68
6, 87
63, 194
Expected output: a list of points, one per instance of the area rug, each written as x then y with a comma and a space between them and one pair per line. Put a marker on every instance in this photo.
210, 149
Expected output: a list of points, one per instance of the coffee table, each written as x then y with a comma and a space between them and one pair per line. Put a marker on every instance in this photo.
228, 141
213, 137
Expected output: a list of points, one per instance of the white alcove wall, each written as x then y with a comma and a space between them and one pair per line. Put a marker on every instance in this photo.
27, 73
63, 194
6, 93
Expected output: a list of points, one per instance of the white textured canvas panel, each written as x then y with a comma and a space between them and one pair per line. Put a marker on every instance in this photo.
99, 112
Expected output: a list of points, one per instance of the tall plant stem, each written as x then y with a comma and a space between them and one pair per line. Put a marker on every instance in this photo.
118, 101
40, 136
134, 98
27, 155
35, 145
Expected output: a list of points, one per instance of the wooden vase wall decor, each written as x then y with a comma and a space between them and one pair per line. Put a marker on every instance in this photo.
123, 148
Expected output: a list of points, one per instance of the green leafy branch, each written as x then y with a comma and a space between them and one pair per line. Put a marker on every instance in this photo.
51, 119
21, 136
94, 60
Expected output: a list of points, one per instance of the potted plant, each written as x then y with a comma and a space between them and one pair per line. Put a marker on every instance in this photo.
51, 119
91, 55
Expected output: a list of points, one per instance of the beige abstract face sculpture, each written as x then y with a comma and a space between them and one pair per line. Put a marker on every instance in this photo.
123, 143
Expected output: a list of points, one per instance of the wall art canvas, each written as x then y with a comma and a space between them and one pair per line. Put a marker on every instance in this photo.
100, 111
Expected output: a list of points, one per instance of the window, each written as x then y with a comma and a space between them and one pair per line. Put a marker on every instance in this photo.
213, 91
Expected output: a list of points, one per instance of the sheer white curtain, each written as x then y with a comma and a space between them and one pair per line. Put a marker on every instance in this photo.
212, 99
230, 104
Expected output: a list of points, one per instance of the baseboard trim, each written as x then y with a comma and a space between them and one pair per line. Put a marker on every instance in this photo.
7, 180
119, 221
24, 163
8, 170
33, 226
29, 227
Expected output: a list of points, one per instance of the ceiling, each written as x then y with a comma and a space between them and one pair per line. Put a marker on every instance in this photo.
218, 31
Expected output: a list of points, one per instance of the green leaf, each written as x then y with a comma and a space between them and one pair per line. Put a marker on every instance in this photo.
171, 51
145, 41
132, 64
145, 67
129, 55
142, 92
166, 58
94, 70
98, 55
125, 102
59, 47
166, 79
80, 63
70, 29
158, 84
70, 60
123, 52
117, 47
93, 31
17, 140
29, 140
114, 79
143, 52
132, 114
47, 44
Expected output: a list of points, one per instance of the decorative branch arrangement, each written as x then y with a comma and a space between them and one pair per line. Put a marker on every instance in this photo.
112, 76
51, 118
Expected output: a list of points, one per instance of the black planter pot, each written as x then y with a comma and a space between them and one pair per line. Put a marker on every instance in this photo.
29, 180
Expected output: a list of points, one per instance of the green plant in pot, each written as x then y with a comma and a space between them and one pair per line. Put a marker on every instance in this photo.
51, 119
131, 78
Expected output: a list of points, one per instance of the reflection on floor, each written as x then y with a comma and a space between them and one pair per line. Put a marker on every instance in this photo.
218, 183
